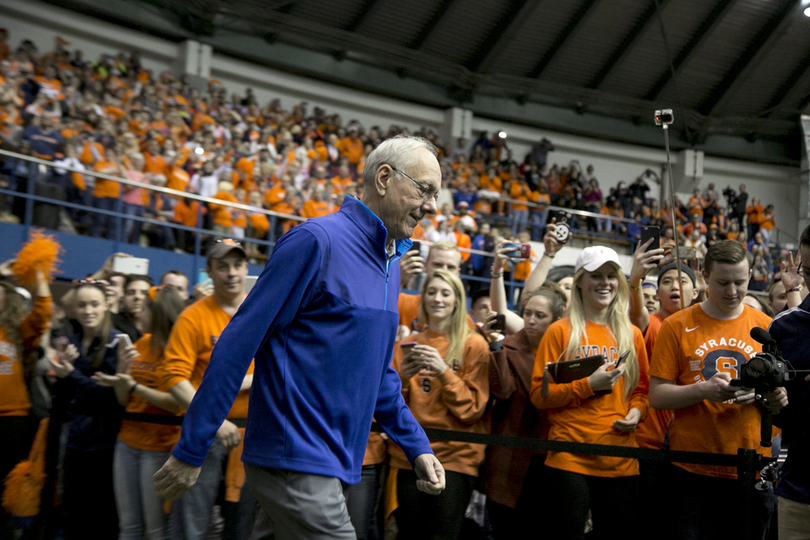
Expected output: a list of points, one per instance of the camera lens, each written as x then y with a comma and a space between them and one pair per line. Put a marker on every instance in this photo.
756, 368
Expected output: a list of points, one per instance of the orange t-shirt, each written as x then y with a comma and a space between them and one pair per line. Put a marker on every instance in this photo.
575, 414
523, 269
177, 179
767, 221
690, 348
754, 213
186, 214
193, 337
312, 209
463, 241
519, 192
147, 371
223, 215
455, 399
154, 164
14, 400
92, 152
106, 188
352, 149
651, 432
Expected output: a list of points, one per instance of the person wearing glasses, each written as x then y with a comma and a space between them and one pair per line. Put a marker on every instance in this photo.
93, 415
320, 322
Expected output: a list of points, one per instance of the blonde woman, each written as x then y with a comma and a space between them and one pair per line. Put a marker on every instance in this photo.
604, 408
445, 382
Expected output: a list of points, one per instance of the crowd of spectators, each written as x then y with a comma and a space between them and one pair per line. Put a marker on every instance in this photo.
113, 116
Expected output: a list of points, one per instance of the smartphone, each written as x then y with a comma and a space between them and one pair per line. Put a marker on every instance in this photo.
622, 358
407, 346
562, 225
651, 232
522, 251
123, 340
131, 265
500, 323
417, 246
61, 343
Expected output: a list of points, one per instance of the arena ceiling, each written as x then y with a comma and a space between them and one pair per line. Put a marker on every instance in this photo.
732, 67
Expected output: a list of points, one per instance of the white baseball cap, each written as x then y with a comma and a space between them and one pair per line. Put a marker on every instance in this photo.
593, 257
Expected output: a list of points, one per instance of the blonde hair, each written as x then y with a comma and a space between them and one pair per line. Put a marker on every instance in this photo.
617, 320
443, 245
458, 330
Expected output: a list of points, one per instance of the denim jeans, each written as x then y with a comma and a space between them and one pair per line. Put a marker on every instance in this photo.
140, 510
132, 228
520, 218
363, 501
194, 508
539, 218
104, 220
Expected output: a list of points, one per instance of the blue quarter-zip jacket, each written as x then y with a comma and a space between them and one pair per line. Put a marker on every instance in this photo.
320, 322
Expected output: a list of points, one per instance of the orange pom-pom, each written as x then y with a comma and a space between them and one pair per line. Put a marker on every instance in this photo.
40, 253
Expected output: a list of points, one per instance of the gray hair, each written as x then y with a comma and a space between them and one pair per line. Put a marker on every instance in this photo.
398, 152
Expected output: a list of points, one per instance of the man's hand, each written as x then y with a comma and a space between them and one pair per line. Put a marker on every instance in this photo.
719, 390
644, 261
430, 474
630, 421
175, 478
411, 264
228, 435
203, 290
775, 401
791, 278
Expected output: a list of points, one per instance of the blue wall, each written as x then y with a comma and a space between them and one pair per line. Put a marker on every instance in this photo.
84, 255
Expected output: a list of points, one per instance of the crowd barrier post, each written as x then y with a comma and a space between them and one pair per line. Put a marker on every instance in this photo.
747, 467
198, 243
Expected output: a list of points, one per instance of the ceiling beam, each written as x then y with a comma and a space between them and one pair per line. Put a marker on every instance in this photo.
562, 37
511, 22
627, 42
787, 92
362, 16
420, 40
770, 33
706, 28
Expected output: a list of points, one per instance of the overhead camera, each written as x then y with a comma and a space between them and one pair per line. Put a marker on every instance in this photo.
664, 117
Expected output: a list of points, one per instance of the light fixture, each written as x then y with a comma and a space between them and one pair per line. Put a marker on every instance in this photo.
807, 12
199, 151
502, 134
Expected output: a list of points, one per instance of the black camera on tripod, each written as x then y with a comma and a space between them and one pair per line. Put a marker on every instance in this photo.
765, 372
730, 195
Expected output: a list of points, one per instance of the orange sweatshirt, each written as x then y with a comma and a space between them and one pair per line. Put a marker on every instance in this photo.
147, 370
455, 400
14, 400
575, 414
189, 349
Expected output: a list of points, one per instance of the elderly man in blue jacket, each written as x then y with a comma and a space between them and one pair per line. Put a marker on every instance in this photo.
320, 323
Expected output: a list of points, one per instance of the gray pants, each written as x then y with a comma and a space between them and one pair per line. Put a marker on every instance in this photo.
297, 506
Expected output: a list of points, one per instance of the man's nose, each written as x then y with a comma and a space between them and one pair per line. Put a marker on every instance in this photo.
430, 206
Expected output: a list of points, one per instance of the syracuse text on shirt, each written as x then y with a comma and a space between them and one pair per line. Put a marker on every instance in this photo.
592, 350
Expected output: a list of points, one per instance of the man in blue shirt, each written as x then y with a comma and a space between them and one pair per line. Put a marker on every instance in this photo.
320, 323
790, 329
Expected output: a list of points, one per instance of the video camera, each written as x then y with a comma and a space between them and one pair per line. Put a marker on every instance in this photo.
730, 195
765, 372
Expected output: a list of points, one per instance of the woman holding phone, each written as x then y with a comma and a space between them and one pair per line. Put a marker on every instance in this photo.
93, 414
142, 448
512, 478
445, 382
603, 408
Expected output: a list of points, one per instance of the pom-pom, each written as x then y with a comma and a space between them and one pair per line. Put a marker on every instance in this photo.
40, 253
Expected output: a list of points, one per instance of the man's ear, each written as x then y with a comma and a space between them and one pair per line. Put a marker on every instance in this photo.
382, 179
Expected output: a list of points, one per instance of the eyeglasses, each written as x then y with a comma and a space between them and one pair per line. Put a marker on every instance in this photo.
90, 281
424, 191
